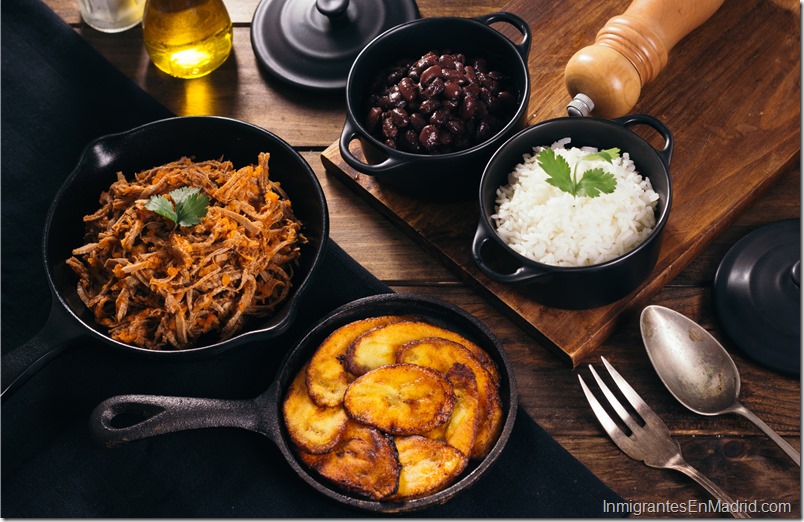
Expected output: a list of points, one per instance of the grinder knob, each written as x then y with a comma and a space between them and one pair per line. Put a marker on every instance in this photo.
630, 51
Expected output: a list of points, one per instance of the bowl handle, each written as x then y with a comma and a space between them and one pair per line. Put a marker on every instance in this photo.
522, 273
634, 119
521, 25
348, 134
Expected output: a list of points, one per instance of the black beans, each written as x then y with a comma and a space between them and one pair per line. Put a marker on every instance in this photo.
429, 106
430, 74
452, 90
400, 117
407, 88
375, 113
428, 137
417, 121
468, 107
389, 129
455, 126
439, 103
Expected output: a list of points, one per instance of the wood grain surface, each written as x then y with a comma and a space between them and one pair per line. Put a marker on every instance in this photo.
734, 134
728, 449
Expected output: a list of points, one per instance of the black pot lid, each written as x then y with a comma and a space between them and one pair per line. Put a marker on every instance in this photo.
757, 295
313, 43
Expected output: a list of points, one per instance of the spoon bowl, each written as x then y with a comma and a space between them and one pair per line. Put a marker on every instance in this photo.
696, 369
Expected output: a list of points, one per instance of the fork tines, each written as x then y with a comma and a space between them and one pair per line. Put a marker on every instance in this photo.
651, 443
639, 405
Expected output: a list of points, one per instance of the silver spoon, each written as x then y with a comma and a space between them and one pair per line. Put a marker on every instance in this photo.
696, 369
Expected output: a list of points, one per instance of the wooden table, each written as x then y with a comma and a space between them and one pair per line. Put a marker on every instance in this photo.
728, 449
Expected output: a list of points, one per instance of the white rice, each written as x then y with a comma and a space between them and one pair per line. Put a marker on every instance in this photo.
550, 226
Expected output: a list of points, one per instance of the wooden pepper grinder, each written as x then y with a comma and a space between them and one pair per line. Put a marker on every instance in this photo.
606, 78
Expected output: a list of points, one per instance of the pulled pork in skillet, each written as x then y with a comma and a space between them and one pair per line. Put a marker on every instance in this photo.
161, 286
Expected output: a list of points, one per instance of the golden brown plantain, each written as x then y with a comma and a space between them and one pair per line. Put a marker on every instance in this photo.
327, 378
461, 428
364, 462
489, 429
428, 466
440, 355
378, 346
400, 399
311, 427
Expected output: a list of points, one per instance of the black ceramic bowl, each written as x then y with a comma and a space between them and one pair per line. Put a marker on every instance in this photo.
423, 174
575, 287
200, 137
264, 414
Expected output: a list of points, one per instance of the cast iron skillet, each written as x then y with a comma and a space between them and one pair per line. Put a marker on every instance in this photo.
125, 418
156, 143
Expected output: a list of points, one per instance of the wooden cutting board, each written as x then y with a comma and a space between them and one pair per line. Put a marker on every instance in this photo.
730, 95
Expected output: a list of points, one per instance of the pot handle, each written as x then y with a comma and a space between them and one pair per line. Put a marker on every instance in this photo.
666, 151
522, 273
124, 418
348, 134
22, 362
521, 25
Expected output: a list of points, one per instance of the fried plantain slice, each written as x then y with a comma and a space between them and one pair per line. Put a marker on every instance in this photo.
428, 466
400, 399
364, 462
439, 432
489, 429
378, 347
327, 378
461, 429
312, 428
440, 355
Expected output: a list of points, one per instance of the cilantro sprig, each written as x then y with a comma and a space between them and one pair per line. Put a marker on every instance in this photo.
188, 206
592, 183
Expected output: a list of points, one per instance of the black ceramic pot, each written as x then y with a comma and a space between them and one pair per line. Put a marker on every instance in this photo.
443, 175
157, 143
575, 287
125, 418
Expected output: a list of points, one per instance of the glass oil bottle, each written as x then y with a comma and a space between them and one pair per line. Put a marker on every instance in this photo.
187, 38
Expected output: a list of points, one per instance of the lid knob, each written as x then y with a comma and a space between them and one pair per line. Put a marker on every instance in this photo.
313, 43
332, 8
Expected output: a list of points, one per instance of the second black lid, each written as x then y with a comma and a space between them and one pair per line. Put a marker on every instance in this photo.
757, 295
313, 43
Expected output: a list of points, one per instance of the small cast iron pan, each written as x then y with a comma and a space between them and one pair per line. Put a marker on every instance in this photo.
434, 176
582, 287
126, 418
157, 143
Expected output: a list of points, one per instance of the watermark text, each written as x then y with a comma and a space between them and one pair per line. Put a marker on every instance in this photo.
693, 506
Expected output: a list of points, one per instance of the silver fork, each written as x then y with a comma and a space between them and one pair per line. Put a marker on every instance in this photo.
651, 443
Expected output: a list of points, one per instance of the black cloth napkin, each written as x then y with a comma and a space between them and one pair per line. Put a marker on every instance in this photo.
57, 95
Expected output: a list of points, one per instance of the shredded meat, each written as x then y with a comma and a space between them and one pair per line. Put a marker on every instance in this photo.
161, 286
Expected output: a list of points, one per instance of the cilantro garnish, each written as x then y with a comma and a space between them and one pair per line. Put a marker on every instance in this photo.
593, 182
188, 207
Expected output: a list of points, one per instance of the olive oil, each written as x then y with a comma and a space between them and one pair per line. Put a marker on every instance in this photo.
187, 38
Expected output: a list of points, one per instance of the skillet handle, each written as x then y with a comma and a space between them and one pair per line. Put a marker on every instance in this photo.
22, 362
124, 418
